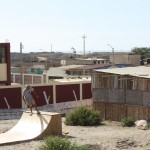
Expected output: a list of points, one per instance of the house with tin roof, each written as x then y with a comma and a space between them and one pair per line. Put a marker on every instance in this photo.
122, 92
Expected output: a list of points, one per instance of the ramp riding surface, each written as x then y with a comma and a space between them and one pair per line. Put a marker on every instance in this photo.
33, 127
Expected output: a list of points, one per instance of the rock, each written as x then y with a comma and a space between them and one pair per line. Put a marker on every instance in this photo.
141, 124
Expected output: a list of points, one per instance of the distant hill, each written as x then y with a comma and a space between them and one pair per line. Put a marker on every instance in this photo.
55, 56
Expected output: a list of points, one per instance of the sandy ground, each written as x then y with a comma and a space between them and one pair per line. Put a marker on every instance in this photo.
109, 136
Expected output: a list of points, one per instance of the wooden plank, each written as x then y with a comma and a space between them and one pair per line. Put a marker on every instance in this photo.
143, 113
115, 111
132, 111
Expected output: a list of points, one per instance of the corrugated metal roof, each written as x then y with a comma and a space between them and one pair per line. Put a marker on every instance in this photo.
140, 71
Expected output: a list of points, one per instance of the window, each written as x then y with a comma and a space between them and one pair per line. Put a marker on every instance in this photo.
94, 62
68, 72
2, 54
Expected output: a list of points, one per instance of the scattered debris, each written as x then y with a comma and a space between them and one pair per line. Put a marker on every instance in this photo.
125, 143
141, 124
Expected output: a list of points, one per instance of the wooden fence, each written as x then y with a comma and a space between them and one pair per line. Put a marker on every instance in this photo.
115, 112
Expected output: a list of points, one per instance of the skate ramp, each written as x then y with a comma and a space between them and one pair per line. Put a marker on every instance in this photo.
33, 127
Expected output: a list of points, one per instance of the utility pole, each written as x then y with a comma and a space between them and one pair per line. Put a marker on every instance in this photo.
113, 62
84, 52
51, 48
21, 64
51, 56
45, 60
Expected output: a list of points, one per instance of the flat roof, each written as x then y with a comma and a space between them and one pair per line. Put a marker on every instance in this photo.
69, 79
139, 71
94, 66
70, 67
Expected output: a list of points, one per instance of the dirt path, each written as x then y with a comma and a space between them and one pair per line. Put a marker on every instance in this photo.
109, 136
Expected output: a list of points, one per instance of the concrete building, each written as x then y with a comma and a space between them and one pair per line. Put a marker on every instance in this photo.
60, 72
86, 61
5, 77
124, 58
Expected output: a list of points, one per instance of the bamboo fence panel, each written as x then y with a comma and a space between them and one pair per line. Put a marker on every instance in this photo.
122, 84
113, 96
101, 108
146, 99
132, 111
134, 97
144, 113
121, 96
148, 85
100, 95
118, 96
115, 112
108, 111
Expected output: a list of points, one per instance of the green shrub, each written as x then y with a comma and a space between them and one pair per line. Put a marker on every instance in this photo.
84, 117
127, 122
59, 143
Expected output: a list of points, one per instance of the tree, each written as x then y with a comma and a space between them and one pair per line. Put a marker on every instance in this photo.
143, 51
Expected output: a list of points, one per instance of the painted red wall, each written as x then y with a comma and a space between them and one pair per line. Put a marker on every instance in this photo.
41, 100
13, 96
86, 91
64, 93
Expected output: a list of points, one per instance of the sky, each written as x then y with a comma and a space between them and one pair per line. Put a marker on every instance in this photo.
59, 25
